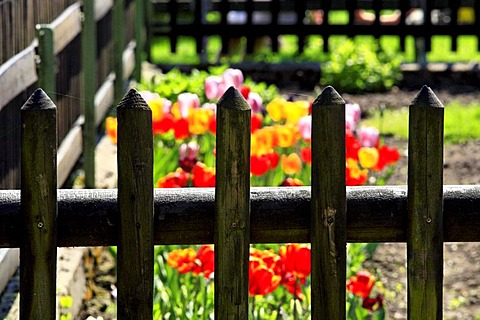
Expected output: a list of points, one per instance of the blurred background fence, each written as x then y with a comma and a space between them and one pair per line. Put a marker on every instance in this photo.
273, 18
74, 50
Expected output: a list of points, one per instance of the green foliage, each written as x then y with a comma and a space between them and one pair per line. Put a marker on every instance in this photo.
361, 67
395, 122
169, 85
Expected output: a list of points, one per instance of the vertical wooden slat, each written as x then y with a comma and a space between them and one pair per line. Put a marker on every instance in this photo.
232, 206
328, 215
425, 207
139, 38
89, 56
38, 254
135, 204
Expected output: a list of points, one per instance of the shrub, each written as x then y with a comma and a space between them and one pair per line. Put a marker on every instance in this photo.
361, 67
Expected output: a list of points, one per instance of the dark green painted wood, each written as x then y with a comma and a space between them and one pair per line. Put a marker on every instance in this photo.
118, 28
89, 55
425, 207
328, 206
139, 38
46, 61
38, 254
135, 205
232, 201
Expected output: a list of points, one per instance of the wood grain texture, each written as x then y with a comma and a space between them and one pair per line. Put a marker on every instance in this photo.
328, 232
232, 206
38, 254
135, 205
425, 207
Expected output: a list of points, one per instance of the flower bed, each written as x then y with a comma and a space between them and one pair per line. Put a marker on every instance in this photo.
184, 127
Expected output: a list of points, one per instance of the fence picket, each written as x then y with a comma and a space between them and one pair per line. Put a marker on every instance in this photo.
232, 202
38, 254
425, 207
328, 206
135, 204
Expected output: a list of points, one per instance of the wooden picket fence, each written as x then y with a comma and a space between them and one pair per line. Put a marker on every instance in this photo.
40, 218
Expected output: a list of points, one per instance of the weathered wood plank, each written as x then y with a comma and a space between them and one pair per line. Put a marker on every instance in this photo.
425, 207
278, 215
135, 205
102, 8
38, 254
69, 151
328, 231
232, 202
66, 26
17, 74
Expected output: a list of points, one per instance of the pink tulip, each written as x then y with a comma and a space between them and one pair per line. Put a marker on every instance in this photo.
232, 77
305, 127
350, 123
187, 101
149, 96
213, 87
368, 137
353, 110
255, 102
167, 106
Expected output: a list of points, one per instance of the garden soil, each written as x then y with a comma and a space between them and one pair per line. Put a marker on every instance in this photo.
461, 260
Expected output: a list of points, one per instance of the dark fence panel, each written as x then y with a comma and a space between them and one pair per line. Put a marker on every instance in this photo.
10, 141
104, 48
18, 19
68, 87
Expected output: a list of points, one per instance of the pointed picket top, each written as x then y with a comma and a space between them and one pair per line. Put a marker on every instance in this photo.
328, 97
426, 98
39, 100
233, 99
133, 100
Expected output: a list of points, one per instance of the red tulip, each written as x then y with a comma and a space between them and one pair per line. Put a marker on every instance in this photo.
361, 285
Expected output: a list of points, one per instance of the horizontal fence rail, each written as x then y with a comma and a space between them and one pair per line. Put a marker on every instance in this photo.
278, 215
423, 214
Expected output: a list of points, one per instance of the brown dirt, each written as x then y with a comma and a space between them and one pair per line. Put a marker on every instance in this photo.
461, 260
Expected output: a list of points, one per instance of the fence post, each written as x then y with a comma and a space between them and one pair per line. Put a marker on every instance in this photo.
232, 206
38, 254
328, 205
46, 64
135, 205
89, 52
425, 207
139, 37
118, 29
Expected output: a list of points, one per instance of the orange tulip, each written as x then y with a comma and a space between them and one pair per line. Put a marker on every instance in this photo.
291, 164
182, 259
111, 129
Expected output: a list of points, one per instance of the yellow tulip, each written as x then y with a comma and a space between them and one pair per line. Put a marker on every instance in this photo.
368, 157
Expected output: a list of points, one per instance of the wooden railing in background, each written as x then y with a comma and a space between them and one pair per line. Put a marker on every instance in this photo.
328, 215
82, 54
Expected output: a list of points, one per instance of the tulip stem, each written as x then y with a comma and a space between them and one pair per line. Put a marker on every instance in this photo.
295, 313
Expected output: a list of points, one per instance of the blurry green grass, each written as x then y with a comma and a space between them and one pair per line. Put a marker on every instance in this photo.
288, 50
461, 122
